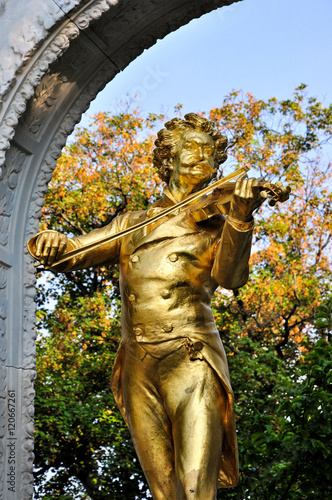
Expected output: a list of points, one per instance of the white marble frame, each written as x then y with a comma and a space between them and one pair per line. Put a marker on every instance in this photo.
50, 72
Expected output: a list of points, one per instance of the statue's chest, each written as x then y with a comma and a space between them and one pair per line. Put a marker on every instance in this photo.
175, 248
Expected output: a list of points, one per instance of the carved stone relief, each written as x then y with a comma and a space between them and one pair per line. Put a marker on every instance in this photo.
3, 371
32, 25
63, 75
27, 426
9, 177
53, 48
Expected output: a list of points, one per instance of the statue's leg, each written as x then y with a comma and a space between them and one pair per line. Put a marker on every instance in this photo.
149, 425
193, 398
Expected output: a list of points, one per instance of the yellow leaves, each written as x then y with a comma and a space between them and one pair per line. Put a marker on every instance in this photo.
101, 171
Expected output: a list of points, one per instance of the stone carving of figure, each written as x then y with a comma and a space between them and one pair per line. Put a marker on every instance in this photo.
170, 378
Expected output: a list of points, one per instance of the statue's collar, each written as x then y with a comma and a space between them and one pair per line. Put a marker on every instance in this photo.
168, 198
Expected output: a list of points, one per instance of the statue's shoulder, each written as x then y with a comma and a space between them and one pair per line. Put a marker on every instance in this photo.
131, 218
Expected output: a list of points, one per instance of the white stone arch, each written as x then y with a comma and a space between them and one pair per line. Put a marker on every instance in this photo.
56, 56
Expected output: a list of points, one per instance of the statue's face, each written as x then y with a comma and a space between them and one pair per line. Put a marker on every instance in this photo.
193, 162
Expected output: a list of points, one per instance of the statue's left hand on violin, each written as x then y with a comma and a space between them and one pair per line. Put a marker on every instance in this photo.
225, 198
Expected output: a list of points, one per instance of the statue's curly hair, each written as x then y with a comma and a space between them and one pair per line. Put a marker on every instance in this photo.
169, 137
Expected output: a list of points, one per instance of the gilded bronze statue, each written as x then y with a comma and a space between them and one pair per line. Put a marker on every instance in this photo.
171, 378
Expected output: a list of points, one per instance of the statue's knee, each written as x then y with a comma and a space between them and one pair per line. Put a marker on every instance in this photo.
193, 487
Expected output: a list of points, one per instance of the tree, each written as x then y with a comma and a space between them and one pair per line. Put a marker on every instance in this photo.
276, 329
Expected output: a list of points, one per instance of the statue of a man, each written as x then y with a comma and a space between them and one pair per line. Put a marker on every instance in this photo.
171, 378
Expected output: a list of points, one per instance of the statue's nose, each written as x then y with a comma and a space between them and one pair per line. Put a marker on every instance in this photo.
201, 152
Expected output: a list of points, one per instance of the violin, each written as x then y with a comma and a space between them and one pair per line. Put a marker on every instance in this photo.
212, 200
218, 201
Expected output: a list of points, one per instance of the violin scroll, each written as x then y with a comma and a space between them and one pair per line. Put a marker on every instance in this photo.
276, 192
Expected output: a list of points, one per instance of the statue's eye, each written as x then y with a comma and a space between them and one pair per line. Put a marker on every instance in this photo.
190, 145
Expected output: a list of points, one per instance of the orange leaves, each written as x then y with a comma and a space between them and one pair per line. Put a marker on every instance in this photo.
82, 332
100, 174
291, 260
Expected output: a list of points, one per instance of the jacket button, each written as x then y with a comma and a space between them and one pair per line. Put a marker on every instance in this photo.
198, 346
137, 330
167, 328
165, 294
132, 297
173, 257
135, 258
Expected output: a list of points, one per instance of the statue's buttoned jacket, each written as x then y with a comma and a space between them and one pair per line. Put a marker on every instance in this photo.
168, 274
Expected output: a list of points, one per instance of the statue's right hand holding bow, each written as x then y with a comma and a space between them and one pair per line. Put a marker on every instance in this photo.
50, 246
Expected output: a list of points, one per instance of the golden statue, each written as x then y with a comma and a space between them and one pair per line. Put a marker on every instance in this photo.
171, 378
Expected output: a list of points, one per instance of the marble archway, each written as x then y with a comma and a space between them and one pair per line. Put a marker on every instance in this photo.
56, 56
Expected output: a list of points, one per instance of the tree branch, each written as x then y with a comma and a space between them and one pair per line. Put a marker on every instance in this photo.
245, 316
287, 329
321, 247
77, 226
74, 279
60, 213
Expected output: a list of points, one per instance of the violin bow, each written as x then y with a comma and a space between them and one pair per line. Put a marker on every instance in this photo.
113, 237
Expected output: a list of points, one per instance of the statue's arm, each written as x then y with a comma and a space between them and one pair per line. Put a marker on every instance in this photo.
231, 263
50, 246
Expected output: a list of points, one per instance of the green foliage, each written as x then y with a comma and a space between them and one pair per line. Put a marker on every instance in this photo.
80, 432
276, 329
283, 422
